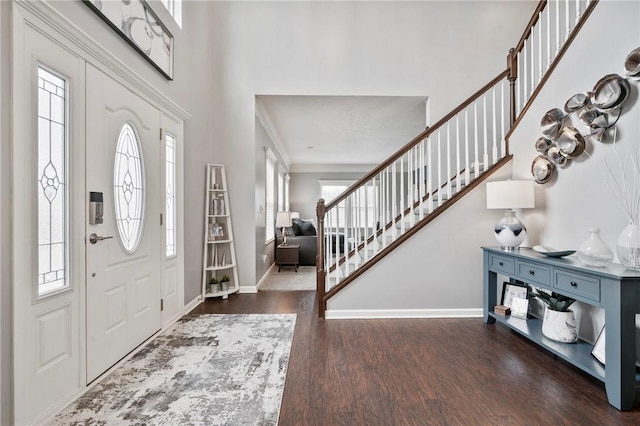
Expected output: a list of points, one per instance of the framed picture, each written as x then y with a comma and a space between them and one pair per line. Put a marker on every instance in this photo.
217, 231
136, 22
598, 347
511, 290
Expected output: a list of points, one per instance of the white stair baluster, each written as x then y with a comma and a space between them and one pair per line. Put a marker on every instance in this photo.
476, 139
467, 163
485, 158
495, 126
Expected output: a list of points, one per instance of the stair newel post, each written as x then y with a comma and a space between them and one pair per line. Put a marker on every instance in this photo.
512, 66
321, 210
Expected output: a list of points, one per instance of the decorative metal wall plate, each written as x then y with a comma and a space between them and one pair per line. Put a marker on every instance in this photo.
542, 145
610, 92
552, 122
542, 169
570, 142
632, 63
577, 101
557, 157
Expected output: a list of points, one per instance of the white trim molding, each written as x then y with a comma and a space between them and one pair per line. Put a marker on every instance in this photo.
331, 168
402, 313
248, 289
192, 305
41, 14
265, 119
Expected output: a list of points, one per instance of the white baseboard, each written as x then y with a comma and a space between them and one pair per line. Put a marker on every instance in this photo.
192, 305
402, 313
264, 278
248, 289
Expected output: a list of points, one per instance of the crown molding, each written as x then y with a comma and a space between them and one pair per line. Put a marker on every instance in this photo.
265, 119
331, 168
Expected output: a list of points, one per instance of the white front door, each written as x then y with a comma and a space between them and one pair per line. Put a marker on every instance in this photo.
124, 256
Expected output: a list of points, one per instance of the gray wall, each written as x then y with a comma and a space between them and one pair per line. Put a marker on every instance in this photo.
263, 141
344, 48
426, 272
5, 223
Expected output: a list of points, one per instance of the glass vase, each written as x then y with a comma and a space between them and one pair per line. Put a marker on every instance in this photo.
628, 247
594, 251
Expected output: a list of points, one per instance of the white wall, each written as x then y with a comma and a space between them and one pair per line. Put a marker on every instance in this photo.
444, 49
5, 223
578, 197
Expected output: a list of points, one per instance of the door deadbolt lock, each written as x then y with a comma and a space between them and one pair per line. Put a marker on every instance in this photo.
94, 238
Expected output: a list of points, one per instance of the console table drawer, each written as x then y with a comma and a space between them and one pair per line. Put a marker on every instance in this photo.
502, 264
533, 273
578, 285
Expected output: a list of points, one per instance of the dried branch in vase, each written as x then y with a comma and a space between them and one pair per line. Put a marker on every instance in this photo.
624, 183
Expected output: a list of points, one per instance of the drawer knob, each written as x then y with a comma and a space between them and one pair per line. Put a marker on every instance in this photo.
532, 272
573, 284
501, 263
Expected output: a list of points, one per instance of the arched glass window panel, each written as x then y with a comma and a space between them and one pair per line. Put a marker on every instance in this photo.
51, 179
128, 189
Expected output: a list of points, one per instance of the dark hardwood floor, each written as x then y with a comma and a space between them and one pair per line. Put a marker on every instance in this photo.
422, 372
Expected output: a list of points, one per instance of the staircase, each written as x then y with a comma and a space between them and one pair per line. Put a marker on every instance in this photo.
443, 163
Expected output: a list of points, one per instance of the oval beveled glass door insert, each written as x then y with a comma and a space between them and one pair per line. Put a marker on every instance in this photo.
128, 188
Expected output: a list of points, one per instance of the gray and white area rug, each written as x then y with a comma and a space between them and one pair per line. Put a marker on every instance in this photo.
290, 280
207, 370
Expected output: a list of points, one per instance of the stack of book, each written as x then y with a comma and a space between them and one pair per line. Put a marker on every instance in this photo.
502, 310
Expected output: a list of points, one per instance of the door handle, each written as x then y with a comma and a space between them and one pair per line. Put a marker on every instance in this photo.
94, 238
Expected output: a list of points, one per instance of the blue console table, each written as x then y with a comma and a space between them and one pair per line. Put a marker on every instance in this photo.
613, 288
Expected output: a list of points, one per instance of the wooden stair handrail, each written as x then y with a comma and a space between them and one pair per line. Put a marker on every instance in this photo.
552, 67
426, 133
532, 22
511, 75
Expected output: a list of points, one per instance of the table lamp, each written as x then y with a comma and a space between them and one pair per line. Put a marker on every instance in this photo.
510, 195
283, 220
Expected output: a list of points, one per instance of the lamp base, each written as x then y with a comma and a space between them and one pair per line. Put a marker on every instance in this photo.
510, 232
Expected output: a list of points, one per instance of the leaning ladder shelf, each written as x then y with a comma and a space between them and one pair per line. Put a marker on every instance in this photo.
219, 259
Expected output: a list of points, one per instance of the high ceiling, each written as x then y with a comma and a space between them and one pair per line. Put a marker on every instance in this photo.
316, 131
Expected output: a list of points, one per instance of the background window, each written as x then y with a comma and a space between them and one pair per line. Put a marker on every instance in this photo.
361, 206
281, 193
270, 201
175, 9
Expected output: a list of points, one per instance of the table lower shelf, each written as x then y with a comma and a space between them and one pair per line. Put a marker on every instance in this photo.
578, 354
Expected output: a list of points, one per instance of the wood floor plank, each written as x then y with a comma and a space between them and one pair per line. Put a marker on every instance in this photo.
422, 372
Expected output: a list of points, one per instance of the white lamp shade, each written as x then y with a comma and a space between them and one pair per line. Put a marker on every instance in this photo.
510, 194
283, 220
